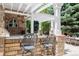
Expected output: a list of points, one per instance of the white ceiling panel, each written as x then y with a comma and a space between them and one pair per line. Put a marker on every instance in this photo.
15, 6
36, 6
7, 5
23, 7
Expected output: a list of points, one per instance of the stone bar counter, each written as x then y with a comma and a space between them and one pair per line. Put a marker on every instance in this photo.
11, 46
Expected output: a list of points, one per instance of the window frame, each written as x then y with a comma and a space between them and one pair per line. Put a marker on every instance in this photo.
13, 22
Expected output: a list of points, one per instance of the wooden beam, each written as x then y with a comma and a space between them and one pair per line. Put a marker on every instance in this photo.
18, 13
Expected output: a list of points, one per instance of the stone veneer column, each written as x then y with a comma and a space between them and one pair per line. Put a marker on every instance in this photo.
59, 45
57, 30
1, 17
1, 20
3, 31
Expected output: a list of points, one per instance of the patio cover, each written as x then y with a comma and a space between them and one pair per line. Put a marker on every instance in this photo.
29, 9
24, 8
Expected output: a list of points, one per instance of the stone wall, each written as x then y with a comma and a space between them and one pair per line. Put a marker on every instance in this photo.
20, 29
1, 46
4, 20
12, 47
72, 41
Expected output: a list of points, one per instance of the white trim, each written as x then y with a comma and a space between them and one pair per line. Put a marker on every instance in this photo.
42, 17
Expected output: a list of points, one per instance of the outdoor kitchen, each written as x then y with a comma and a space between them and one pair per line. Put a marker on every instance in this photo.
12, 31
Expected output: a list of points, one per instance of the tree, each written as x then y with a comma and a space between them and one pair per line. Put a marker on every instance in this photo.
28, 26
70, 18
36, 25
45, 27
48, 10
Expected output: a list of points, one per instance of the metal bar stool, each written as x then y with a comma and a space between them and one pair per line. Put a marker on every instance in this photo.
28, 43
48, 44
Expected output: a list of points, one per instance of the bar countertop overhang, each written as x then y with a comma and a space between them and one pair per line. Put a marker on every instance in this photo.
22, 36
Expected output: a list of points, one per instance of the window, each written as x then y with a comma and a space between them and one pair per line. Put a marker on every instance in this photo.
12, 23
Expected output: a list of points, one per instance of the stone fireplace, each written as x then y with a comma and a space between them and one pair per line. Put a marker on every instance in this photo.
14, 24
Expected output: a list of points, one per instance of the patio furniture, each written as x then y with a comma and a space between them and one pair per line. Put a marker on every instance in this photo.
49, 44
28, 43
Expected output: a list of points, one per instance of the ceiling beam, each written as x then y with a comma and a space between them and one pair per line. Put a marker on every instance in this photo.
42, 8
27, 7
17, 13
34, 8
19, 7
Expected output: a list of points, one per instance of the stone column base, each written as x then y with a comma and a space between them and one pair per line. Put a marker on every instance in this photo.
60, 41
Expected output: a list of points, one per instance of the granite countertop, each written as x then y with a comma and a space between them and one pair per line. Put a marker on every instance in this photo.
15, 37
22, 36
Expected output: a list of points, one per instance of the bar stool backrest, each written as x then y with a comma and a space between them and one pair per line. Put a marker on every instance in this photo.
50, 39
29, 39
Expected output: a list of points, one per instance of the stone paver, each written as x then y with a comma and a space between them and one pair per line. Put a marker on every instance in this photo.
71, 50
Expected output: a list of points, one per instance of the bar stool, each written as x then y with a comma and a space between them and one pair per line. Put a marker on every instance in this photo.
28, 43
48, 44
